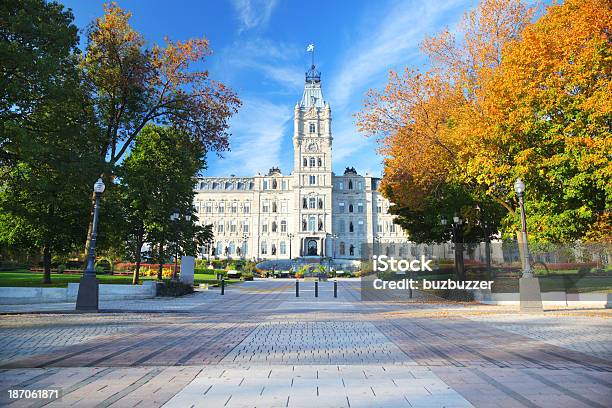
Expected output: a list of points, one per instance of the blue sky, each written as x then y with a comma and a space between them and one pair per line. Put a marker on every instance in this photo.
259, 49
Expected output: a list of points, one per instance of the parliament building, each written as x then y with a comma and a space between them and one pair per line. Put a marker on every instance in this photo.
310, 212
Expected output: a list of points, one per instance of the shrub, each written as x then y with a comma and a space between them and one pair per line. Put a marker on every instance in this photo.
247, 276
61, 268
170, 288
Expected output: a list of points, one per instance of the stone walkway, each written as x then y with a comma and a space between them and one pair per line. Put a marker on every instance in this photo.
260, 346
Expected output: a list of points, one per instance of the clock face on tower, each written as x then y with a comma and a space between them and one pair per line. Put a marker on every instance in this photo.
312, 147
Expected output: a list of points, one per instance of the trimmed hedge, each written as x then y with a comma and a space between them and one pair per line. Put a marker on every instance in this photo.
170, 288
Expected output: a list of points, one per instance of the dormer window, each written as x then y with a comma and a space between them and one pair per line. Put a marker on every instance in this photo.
312, 128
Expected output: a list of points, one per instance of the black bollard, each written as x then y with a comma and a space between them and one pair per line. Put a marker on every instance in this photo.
297, 288
222, 286
316, 289
335, 288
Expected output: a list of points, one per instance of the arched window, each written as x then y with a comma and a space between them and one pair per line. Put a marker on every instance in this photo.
320, 204
304, 224
305, 162
240, 186
351, 227
273, 249
273, 226
342, 248
215, 186
350, 185
274, 207
319, 162
304, 203
264, 248
283, 248
352, 250
320, 224
283, 226
312, 162
274, 184
245, 248
312, 128
232, 248
311, 203
351, 207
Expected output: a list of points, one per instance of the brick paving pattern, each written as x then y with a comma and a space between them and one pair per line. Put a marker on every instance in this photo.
260, 346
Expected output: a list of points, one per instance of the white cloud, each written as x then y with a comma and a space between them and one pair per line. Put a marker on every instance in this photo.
253, 13
257, 135
390, 41
257, 56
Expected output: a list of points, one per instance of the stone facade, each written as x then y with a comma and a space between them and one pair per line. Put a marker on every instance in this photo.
311, 212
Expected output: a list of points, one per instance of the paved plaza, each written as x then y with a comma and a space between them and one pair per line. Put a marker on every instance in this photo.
260, 346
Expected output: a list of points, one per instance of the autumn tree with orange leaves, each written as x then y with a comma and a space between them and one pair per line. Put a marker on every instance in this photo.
511, 98
133, 86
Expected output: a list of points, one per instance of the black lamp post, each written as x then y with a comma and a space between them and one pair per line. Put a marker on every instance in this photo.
487, 237
519, 189
243, 249
87, 298
457, 239
290, 239
529, 286
335, 238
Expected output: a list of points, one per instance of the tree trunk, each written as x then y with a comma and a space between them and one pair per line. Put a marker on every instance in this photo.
46, 264
161, 262
138, 259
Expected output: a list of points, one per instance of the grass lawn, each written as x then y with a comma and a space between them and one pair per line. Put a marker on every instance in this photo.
25, 278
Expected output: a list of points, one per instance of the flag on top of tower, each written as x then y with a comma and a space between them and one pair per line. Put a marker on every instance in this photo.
310, 48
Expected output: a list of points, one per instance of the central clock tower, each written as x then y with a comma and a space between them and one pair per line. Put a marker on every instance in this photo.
312, 168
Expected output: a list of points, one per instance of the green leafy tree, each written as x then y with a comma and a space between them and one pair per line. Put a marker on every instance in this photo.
481, 216
49, 146
132, 86
157, 178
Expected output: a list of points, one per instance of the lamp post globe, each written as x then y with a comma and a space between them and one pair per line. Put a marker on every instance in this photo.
99, 186
519, 187
456, 219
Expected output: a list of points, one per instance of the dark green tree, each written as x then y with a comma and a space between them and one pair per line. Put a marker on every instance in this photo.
481, 217
49, 147
157, 178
